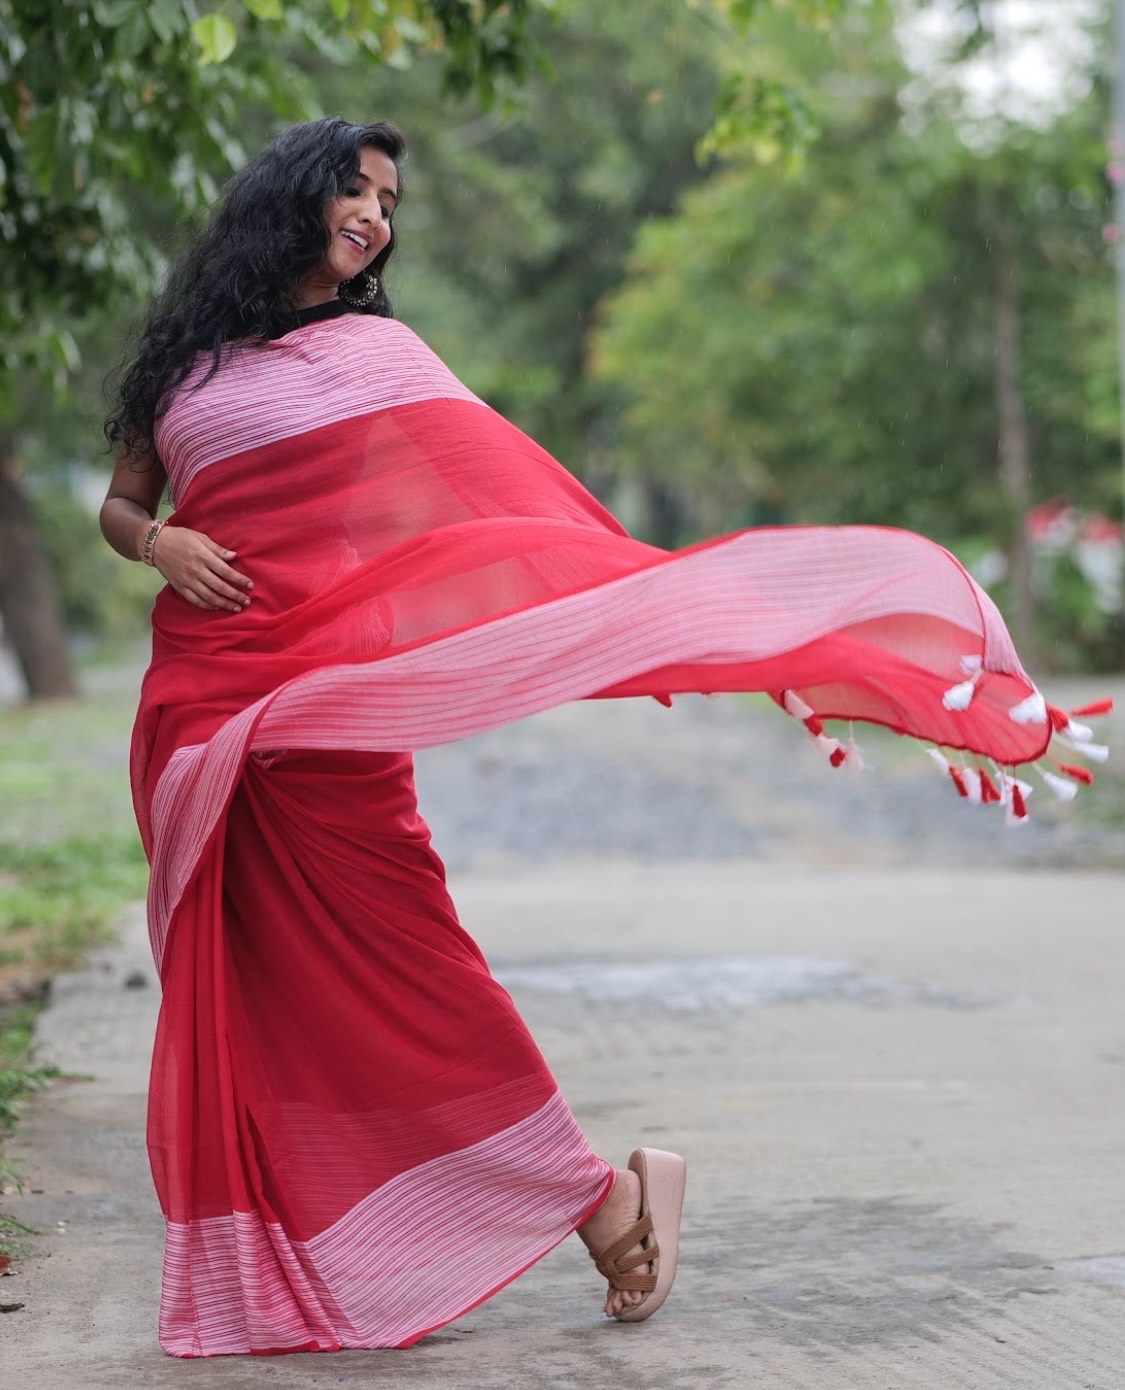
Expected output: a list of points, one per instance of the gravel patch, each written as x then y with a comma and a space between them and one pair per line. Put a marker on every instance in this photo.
721, 778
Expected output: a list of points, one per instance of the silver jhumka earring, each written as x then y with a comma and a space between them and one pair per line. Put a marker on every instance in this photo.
360, 291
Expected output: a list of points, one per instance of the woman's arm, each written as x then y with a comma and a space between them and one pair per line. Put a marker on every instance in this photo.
195, 566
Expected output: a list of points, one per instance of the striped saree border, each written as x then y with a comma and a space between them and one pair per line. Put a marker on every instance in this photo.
711, 606
318, 375
237, 1284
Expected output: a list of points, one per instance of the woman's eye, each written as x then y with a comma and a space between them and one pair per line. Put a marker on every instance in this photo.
351, 192
388, 213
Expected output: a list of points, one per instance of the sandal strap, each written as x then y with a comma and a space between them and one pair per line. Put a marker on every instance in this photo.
631, 1283
615, 1263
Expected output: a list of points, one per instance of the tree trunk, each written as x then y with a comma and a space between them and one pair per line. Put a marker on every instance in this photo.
29, 607
1014, 444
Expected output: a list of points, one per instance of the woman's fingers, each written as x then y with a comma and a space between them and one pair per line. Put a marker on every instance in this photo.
213, 581
216, 594
196, 599
220, 567
203, 597
206, 590
199, 570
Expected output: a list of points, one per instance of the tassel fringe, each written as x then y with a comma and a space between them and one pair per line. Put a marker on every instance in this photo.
1033, 710
1064, 790
832, 748
989, 793
1092, 710
961, 696
973, 783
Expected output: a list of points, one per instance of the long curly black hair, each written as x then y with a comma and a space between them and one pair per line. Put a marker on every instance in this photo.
234, 280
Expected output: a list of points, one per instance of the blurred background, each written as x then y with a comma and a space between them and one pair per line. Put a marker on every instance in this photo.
734, 262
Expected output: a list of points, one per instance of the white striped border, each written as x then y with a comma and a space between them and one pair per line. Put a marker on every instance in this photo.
317, 375
754, 596
421, 1250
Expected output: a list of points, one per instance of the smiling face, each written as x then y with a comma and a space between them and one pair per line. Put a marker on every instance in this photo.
359, 227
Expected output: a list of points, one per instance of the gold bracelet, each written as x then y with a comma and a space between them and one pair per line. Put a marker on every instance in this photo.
150, 541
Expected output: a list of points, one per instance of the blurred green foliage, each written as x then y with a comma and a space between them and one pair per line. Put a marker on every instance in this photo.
791, 321
819, 343
114, 113
841, 319
514, 228
99, 595
1077, 633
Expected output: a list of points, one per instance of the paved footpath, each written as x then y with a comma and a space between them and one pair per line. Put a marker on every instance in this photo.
899, 1088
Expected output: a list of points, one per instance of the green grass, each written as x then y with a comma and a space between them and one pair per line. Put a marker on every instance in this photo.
69, 859
69, 852
20, 1077
61, 899
63, 770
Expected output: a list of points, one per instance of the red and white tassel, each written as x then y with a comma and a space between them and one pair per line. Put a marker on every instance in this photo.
1096, 752
975, 785
831, 747
1017, 810
795, 706
1095, 708
973, 789
953, 773
961, 696
1013, 797
1064, 725
1064, 790
1033, 710
1079, 738
989, 792
956, 774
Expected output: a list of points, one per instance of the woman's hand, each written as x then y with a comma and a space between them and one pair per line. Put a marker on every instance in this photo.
199, 570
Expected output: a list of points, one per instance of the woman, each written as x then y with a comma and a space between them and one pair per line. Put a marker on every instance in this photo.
353, 1136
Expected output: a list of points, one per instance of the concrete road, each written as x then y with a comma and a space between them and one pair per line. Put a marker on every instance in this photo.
900, 1096
899, 1089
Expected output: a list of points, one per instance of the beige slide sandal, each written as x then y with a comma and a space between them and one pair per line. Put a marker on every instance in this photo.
657, 1232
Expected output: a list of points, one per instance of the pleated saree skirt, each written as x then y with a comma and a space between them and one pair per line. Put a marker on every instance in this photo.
353, 1135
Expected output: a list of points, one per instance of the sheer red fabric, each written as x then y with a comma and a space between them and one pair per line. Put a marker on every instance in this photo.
354, 1139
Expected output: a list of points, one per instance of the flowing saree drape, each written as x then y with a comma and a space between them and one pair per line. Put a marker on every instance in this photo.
353, 1137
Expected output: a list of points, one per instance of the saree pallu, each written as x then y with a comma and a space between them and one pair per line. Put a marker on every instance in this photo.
353, 1137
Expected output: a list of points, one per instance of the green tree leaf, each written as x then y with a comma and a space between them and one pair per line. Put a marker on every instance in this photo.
266, 9
216, 37
133, 36
115, 12
167, 18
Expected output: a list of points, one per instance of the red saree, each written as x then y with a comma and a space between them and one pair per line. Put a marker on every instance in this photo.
353, 1137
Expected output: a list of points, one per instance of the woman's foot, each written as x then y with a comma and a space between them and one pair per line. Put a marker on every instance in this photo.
612, 1219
